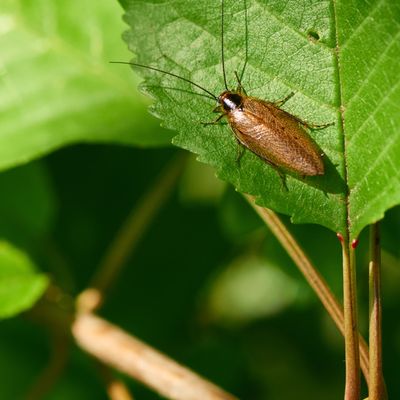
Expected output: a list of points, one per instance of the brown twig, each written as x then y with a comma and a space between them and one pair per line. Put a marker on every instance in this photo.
116, 388
377, 387
127, 354
352, 388
310, 273
122, 351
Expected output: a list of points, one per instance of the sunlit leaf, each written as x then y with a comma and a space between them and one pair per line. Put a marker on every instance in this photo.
329, 54
56, 83
20, 284
249, 289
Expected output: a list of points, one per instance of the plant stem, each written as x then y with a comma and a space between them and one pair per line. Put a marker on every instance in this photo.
352, 388
310, 273
128, 354
116, 388
129, 235
377, 387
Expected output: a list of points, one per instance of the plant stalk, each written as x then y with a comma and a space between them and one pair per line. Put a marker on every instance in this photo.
352, 387
125, 353
116, 348
377, 387
115, 387
312, 276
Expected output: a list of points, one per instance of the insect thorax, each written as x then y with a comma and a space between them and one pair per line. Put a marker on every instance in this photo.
230, 100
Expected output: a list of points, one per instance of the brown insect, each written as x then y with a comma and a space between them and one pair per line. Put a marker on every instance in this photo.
271, 133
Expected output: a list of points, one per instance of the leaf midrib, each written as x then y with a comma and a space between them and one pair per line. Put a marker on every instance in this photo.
342, 125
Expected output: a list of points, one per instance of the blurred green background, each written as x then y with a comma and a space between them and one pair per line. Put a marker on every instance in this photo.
208, 284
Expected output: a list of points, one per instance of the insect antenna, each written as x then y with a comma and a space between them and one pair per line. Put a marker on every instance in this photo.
222, 44
179, 90
211, 95
246, 22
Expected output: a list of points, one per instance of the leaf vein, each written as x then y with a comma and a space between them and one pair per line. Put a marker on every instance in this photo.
362, 23
381, 57
371, 169
376, 110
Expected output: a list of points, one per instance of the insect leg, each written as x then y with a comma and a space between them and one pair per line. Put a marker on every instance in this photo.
240, 151
280, 103
306, 124
215, 122
240, 87
217, 109
311, 125
318, 126
283, 179
280, 173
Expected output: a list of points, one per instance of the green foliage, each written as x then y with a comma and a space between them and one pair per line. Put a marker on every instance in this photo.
370, 89
20, 284
330, 55
27, 208
56, 84
206, 245
249, 289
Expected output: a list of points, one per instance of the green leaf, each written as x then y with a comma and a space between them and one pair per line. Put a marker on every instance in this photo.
368, 35
20, 285
249, 288
56, 83
324, 52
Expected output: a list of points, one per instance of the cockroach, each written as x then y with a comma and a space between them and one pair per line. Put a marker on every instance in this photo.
274, 135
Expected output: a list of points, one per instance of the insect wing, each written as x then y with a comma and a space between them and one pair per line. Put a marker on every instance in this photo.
275, 136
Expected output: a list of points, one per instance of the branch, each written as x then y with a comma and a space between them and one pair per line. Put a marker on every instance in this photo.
116, 388
352, 389
127, 354
377, 387
310, 273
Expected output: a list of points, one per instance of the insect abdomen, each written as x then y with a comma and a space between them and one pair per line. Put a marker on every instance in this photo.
275, 136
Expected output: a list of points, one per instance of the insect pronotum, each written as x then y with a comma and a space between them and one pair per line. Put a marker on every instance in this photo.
271, 133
